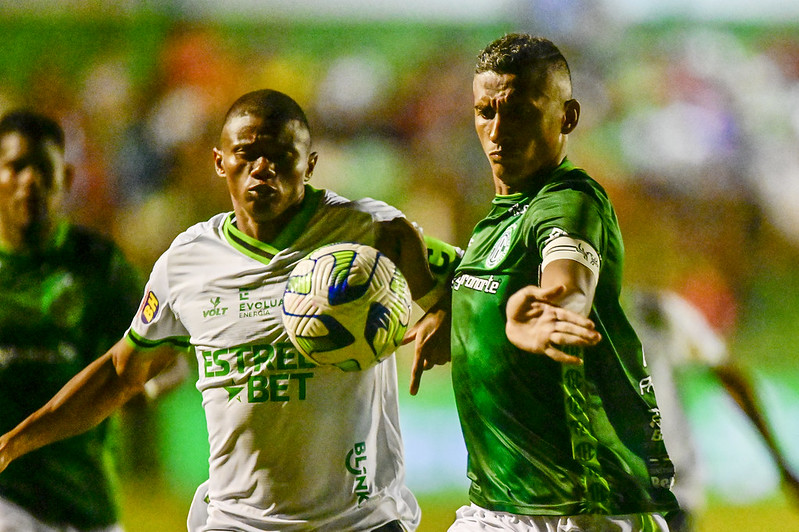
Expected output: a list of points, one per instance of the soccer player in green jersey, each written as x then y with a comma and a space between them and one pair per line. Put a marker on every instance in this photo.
64, 293
556, 406
293, 446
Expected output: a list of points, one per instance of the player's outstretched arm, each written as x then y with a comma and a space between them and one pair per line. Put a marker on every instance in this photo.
739, 388
402, 243
87, 399
537, 323
431, 336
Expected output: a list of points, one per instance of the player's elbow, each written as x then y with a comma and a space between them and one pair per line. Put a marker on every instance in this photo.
133, 368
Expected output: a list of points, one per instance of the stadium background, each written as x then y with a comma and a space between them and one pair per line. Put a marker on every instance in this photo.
690, 120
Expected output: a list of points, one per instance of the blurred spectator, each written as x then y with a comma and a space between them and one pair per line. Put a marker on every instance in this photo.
676, 335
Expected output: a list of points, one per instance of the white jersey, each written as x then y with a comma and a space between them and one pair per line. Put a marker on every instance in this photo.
293, 446
675, 335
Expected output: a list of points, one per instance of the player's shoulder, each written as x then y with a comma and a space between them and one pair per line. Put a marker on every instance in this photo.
376, 209
576, 179
210, 228
572, 187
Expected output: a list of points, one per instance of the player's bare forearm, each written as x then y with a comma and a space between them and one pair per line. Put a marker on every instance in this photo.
537, 325
87, 399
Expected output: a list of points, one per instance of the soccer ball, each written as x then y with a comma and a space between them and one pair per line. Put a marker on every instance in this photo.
346, 305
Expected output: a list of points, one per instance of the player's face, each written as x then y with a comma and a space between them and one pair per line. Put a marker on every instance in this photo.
522, 122
266, 163
32, 175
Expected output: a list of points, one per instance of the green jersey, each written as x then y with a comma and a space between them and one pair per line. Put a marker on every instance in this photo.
512, 404
59, 309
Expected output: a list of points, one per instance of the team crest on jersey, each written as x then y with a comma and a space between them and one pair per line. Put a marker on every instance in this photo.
500, 248
149, 309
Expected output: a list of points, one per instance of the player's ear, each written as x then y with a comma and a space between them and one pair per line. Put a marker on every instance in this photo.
218, 157
312, 158
571, 116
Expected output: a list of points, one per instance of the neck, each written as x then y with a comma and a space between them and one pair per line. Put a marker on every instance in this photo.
524, 184
24, 239
265, 231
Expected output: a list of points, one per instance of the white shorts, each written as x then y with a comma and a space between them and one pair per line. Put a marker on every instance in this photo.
473, 518
14, 518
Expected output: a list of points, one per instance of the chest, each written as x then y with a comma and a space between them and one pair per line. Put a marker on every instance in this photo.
42, 295
501, 246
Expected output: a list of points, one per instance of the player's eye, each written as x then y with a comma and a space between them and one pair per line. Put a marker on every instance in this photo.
485, 112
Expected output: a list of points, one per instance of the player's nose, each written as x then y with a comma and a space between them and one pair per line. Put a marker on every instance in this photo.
263, 168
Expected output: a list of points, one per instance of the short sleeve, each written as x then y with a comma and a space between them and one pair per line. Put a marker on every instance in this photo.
156, 322
566, 212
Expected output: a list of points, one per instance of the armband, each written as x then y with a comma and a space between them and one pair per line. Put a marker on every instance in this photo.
443, 258
566, 247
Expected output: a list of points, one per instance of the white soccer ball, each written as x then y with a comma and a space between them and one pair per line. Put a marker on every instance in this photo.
346, 305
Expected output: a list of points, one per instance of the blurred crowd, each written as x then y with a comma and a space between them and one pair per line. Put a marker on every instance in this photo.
692, 128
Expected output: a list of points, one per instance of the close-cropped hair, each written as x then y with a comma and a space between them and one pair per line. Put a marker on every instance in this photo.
33, 125
519, 53
270, 104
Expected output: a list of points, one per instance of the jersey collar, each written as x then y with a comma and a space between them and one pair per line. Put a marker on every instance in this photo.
265, 251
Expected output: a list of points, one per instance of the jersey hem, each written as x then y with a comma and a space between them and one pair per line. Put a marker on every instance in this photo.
139, 342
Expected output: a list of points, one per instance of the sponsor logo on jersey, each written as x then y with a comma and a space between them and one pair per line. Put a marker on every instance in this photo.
500, 248
654, 424
149, 309
267, 372
356, 464
249, 308
488, 285
646, 386
215, 309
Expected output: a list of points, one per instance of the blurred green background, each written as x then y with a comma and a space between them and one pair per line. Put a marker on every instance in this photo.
690, 119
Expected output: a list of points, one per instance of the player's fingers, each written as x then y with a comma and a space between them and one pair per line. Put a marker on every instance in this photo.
540, 294
563, 315
566, 334
559, 356
410, 334
416, 375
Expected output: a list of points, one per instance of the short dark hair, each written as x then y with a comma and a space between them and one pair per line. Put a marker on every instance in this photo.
268, 103
520, 53
33, 125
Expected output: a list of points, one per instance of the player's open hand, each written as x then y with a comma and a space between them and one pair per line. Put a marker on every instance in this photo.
431, 336
536, 325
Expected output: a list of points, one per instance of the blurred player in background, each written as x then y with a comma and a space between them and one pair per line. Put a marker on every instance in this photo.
553, 443
676, 335
293, 446
65, 294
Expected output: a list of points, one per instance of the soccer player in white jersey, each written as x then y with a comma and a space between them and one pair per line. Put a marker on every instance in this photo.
293, 446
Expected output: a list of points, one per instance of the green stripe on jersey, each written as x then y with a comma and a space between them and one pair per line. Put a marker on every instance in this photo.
265, 252
140, 342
